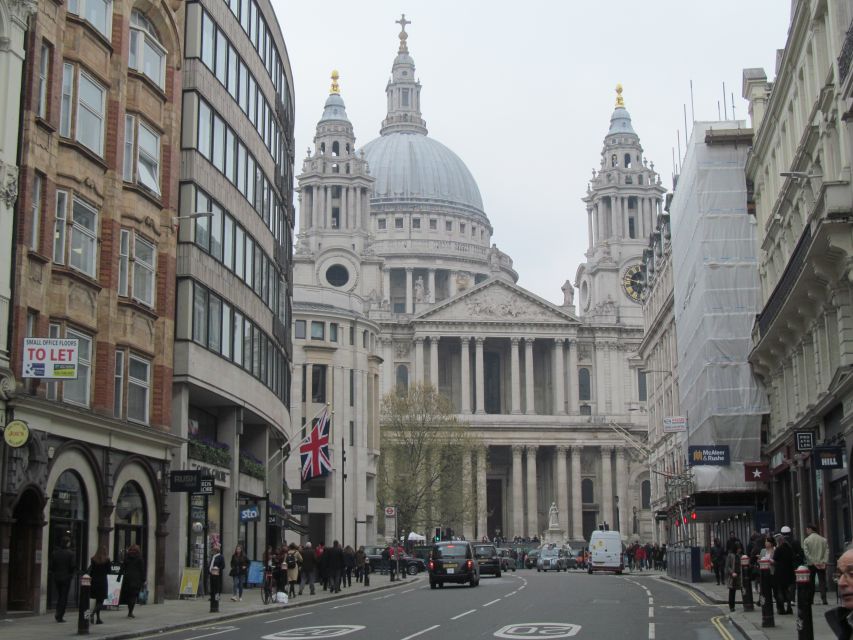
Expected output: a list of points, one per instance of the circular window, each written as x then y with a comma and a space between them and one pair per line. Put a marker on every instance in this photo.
337, 275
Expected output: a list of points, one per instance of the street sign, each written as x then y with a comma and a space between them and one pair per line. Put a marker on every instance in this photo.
206, 486
829, 457
390, 512
804, 440
250, 513
186, 480
674, 424
50, 358
709, 455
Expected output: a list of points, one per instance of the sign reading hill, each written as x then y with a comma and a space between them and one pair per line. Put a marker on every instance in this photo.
709, 455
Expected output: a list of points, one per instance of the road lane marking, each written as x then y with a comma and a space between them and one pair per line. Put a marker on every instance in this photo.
488, 604
651, 600
421, 632
651, 631
718, 623
298, 615
314, 633
408, 590
462, 615
341, 606
651, 612
215, 633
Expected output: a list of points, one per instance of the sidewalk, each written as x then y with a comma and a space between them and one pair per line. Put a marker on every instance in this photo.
178, 614
749, 623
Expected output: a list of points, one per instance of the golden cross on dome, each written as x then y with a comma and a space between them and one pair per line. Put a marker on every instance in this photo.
336, 89
403, 35
620, 101
403, 22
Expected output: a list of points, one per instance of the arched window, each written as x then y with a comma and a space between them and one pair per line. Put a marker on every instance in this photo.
147, 55
627, 160
131, 520
614, 161
646, 494
336, 148
584, 387
322, 147
69, 518
587, 491
402, 379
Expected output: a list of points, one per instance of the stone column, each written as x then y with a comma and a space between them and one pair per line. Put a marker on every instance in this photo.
467, 523
530, 409
327, 214
451, 284
562, 489
622, 489
607, 487
409, 295
599, 378
616, 380
386, 285
315, 206
419, 359
572, 377
478, 373
559, 378
465, 370
577, 498
482, 512
357, 195
532, 506
433, 361
517, 492
431, 285
343, 221
514, 377
309, 377
388, 366
589, 225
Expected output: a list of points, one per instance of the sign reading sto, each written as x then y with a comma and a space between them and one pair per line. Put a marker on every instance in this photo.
50, 358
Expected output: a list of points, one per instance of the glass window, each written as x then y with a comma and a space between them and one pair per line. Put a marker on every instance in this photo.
238, 338
147, 55
35, 209
645, 495
202, 224
333, 332
299, 329
221, 58
84, 235
228, 243
45, 55
380, 222
143, 271
241, 168
123, 261
225, 348
230, 164
205, 116
247, 345
448, 225
208, 40
99, 14
129, 130
90, 114
250, 256
59, 227
214, 332
199, 314
584, 386
148, 168
66, 102
138, 388
239, 250
641, 385
77, 391
118, 384
216, 231
398, 223
232, 71
218, 158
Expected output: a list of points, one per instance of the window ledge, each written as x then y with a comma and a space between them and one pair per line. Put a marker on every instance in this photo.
77, 275
32, 254
145, 192
104, 40
44, 124
84, 151
138, 306
156, 88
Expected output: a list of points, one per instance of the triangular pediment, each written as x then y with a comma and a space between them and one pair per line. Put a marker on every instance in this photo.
497, 301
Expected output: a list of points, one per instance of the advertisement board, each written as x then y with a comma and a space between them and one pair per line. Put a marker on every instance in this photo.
713, 455
674, 424
50, 358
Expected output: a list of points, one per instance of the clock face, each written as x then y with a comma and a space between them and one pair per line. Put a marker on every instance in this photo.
632, 282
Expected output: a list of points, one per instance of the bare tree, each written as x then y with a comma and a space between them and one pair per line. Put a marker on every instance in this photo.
420, 471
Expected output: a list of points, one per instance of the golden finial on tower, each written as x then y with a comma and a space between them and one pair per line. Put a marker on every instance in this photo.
620, 101
336, 89
403, 35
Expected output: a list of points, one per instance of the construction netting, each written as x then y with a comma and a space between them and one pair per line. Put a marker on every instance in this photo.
717, 296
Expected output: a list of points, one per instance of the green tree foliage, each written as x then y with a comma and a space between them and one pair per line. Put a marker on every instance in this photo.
420, 469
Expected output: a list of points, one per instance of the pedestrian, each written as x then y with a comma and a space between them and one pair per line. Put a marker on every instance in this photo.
731, 571
62, 568
292, 560
732, 541
783, 574
215, 570
349, 565
839, 618
99, 567
360, 559
640, 558
718, 559
385, 562
238, 573
335, 564
309, 568
816, 551
322, 565
131, 575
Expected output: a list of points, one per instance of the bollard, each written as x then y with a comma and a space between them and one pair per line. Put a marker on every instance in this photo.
747, 583
366, 574
83, 605
767, 619
805, 628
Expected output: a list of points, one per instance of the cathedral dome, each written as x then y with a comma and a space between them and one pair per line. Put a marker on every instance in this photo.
412, 166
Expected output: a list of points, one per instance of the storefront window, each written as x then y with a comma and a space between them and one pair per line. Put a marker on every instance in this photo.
131, 520
68, 519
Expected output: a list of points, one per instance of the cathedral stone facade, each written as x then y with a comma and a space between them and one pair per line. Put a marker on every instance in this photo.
397, 281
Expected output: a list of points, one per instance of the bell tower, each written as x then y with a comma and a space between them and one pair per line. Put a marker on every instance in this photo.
403, 91
623, 200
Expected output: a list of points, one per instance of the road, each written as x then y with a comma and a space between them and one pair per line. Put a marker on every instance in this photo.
524, 605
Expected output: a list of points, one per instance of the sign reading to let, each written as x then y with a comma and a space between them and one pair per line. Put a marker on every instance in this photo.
50, 358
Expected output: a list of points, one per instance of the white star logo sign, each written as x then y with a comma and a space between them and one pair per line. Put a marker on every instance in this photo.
756, 473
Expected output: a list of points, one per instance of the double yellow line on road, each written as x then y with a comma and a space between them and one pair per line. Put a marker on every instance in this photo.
719, 624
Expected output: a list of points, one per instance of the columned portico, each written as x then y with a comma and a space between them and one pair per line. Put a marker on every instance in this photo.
409, 291
573, 377
418, 372
622, 489
607, 486
431, 285
528, 376
532, 506
433, 361
559, 378
515, 377
465, 369
478, 374
481, 493
467, 521
562, 487
517, 491
577, 499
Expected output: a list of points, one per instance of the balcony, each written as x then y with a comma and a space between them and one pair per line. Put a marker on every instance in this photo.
846, 56
786, 283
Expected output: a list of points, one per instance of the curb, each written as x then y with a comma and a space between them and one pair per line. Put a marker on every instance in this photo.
244, 614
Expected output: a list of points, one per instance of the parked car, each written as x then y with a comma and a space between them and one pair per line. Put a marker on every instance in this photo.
551, 560
488, 559
453, 562
410, 564
508, 563
571, 558
530, 560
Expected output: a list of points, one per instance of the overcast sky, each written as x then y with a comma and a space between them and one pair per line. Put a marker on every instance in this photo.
523, 92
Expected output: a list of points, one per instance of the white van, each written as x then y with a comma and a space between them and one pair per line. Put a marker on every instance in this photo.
605, 552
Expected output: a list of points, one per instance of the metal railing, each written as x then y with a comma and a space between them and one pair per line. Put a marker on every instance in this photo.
846, 56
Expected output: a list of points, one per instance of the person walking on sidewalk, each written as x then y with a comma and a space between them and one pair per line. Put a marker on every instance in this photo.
785, 578
360, 559
239, 570
62, 567
292, 560
816, 551
99, 567
335, 562
732, 573
840, 619
349, 565
132, 577
309, 568
216, 569
718, 559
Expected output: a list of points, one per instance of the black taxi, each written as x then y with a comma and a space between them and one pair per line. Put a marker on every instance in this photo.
453, 562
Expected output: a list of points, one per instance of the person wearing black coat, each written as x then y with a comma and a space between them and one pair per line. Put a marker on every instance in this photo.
62, 567
349, 565
215, 570
99, 567
309, 568
718, 559
335, 562
840, 619
783, 575
132, 577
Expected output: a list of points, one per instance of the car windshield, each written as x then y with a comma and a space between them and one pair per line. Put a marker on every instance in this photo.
549, 553
449, 551
485, 552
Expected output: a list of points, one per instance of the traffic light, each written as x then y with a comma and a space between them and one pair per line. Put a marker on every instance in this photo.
692, 515
437, 537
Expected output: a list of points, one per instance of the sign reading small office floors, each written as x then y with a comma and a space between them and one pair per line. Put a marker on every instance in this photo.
50, 358
315, 633
530, 630
713, 455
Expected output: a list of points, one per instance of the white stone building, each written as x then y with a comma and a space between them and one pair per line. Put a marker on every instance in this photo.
397, 281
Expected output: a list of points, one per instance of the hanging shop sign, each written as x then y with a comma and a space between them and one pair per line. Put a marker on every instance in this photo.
828, 457
221, 475
804, 440
674, 424
250, 513
298, 502
207, 486
50, 358
711, 455
185, 481
756, 471
16, 433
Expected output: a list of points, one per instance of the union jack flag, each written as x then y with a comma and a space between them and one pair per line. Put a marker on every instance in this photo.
314, 450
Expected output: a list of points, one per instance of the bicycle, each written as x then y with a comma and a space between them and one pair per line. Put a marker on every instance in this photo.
268, 588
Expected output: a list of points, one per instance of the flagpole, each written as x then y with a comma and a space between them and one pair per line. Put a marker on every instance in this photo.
289, 439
